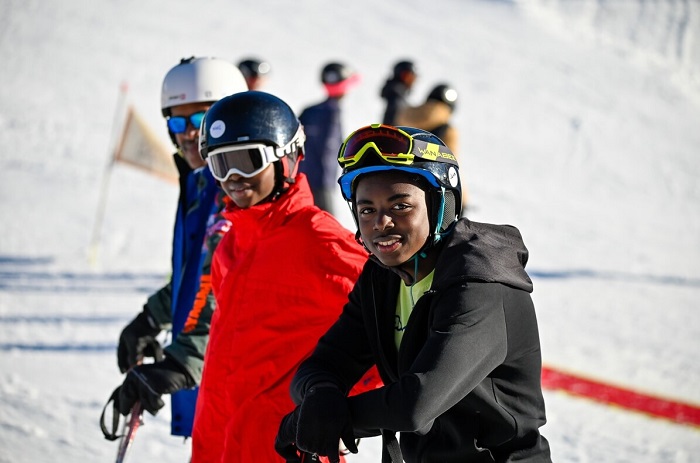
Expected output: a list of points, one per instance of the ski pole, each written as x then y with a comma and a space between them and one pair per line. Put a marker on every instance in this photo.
129, 431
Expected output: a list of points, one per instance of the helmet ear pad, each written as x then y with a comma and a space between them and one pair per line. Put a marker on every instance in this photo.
441, 206
450, 209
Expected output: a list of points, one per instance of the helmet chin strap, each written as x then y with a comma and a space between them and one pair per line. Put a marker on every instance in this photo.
437, 236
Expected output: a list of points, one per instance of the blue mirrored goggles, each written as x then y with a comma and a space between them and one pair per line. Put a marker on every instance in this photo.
178, 124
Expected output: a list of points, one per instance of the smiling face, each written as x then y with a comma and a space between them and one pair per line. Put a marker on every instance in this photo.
247, 192
392, 215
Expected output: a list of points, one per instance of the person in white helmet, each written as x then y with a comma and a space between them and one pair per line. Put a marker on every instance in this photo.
185, 305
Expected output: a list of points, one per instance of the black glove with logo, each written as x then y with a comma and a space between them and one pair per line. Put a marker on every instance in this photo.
138, 340
147, 382
324, 419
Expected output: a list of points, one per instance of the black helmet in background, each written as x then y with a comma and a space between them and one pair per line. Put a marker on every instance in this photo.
332, 73
338, 78
255, 72
405, 71
253, 67
444, 93
256, 117
404, 66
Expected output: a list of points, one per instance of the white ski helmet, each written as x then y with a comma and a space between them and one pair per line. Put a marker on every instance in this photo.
200, 80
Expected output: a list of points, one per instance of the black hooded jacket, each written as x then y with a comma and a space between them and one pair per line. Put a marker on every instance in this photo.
465, 384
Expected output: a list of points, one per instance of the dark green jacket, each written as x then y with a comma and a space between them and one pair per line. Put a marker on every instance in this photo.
186, 304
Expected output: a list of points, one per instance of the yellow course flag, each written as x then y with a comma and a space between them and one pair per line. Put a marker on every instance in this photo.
140, 147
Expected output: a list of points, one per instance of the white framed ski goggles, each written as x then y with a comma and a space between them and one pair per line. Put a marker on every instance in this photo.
249, 159
245, 160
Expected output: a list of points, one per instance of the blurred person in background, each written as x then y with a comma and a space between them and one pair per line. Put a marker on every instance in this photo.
434, 116
324, 134
255, 71
396, 89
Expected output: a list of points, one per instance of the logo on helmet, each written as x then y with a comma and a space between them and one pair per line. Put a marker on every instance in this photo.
452, 176
432, 152
217, 129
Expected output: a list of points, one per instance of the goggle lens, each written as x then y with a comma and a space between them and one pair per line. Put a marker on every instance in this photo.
178, 124
245, 160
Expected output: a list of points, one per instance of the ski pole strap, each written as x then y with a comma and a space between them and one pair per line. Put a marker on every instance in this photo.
114, 398
391, 451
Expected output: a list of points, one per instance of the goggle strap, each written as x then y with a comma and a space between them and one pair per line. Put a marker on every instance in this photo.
269, 154
298, 139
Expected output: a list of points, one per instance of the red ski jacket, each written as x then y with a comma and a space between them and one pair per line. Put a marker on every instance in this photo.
281, 276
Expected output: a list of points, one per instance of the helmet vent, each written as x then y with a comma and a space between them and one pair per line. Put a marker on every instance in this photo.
450, 210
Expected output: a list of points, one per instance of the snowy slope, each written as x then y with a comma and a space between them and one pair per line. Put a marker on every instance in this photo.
579, 124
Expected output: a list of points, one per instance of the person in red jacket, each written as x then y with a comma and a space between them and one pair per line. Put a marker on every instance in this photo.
280, 277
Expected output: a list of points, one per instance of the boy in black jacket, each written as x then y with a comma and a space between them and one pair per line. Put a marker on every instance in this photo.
442, 307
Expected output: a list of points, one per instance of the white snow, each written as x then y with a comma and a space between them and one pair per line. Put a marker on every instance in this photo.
579, 124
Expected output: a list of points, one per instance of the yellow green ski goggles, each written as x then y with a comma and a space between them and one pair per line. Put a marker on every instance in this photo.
391, 144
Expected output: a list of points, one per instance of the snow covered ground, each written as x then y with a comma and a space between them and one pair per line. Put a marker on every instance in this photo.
579, 124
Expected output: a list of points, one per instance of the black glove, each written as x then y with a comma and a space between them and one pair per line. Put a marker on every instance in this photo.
147, 382
324, 419
138, 340
286, 437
